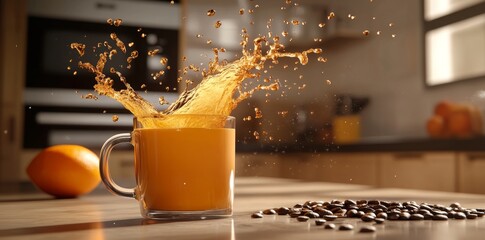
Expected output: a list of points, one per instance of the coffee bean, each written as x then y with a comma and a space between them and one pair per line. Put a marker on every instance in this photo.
467, 211
302, 218
425, 207
330, 226
460, 216
309, 203
367, 229
381, 206
298, 205
320, 222
335, 209
317, 204
366, 209
395, 204
340, 213
382, 215
371, 214
455, 205
439, 212
349, 202
423, 211
283, 211
440, 217
386, 203
336, 201
372, 210
411, 207
416, 216
352, 213
269, 212
394, 207
323, 212
379, 220
373, 202
334, 206
428, 216
440, 207
330, 217
345, 227
405, 216
305, 210
312, 215
350, 207
393, 216
368, 218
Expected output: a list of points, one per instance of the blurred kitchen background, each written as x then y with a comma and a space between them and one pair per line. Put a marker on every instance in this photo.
360, 117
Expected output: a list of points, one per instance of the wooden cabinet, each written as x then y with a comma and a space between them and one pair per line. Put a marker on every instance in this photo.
13, 26
257, 164
418, 170
355, 168
471, 172
298, 166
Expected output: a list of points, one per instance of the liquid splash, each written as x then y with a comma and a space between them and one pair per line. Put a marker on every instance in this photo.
219, 92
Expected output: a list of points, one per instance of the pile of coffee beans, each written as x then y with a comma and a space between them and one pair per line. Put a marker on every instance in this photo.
376, 211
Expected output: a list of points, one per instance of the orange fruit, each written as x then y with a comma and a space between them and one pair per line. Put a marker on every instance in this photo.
65, 171
436, 127
460, 123
445, 108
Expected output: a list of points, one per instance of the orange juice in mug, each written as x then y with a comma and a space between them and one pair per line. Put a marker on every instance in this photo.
182, 170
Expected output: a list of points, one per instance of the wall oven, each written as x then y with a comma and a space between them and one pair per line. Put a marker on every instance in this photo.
55, 113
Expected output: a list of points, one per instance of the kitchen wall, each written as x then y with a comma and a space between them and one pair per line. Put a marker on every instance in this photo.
387, 69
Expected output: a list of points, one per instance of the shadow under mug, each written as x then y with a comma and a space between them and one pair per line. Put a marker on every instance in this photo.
182, 171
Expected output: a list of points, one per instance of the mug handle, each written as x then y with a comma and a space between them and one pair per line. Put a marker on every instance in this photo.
103, 165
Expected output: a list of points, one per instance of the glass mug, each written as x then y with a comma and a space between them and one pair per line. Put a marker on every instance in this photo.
183, 170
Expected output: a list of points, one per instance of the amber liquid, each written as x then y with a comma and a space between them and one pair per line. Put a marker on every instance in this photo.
218, 94
189, 169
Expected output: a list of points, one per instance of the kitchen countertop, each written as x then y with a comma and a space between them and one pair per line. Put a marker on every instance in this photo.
104, 216
383, 144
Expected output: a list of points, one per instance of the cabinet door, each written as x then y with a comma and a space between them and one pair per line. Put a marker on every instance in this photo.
471, 172
257, 164
354, 168
296, 166
418, 170
13, 26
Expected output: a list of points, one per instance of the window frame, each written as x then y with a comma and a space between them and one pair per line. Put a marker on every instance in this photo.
446, 20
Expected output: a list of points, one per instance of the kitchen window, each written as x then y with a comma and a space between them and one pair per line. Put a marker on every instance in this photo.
454, 32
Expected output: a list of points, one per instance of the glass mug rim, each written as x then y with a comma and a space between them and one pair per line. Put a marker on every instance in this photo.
227, 119
228, 123
184, 114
